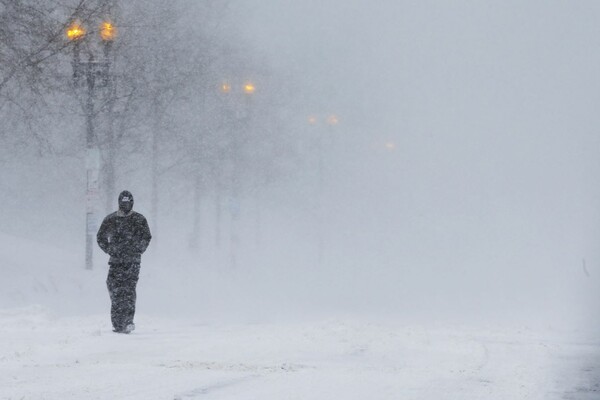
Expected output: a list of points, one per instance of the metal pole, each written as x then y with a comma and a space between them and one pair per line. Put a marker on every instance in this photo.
234, 205
109, 167
321, 206
91, 166
91, 70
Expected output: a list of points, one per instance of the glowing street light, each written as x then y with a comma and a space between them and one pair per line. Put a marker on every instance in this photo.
391, 146
249, 88
312, 120
332, 120
225, 87
108, 31
75, 31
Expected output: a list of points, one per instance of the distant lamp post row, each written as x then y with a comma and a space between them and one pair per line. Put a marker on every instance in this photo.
107, 31
97, 74
330, 120
247, 88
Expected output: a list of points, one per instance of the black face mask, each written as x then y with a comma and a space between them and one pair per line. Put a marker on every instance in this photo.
125, 206
125, 201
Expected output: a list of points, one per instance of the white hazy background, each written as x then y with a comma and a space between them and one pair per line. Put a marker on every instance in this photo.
460, 183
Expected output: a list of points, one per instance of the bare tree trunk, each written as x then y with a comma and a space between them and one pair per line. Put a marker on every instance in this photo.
109, 167
218, 216
198, 187
217, 176
154, 200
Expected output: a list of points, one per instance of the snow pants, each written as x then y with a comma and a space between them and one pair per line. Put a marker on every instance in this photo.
121, 282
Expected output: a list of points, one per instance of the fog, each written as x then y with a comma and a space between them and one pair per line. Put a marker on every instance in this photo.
457, 181
484, 201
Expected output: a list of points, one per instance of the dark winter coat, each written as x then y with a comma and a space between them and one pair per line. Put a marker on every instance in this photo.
124, 236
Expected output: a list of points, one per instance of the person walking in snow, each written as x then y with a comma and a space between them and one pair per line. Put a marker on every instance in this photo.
124, 235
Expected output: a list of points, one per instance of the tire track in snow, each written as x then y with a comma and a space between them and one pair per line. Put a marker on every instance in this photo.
259, 372
219, 385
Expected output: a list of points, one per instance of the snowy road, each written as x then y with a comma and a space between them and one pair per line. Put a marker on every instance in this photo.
42, 357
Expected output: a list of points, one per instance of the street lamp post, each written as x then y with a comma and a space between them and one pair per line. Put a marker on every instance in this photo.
320, 186
331, 121
91, 74
248, 89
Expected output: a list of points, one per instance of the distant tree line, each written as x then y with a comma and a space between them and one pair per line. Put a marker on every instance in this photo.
176, 110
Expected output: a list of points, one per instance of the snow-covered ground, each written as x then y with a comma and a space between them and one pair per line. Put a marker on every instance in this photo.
43, 357
56, 342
